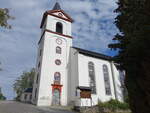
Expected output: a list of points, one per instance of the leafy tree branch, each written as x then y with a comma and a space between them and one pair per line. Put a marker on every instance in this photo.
4, 17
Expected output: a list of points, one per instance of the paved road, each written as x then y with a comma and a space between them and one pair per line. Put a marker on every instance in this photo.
16, 107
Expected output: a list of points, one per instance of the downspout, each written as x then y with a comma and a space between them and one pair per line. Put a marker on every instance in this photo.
113, 77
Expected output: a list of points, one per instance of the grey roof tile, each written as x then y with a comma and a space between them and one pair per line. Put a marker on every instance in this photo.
57, 6
93, 54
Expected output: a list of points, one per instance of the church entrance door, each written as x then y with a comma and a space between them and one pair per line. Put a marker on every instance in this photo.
56, 97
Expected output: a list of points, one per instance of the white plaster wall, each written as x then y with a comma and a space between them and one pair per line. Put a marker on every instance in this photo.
119, 90
72, 76
51, 25
37, 70
84, 78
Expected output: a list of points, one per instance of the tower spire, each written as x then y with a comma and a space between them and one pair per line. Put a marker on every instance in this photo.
57, 6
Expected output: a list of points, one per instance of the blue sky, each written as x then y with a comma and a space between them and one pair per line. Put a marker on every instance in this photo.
93, 29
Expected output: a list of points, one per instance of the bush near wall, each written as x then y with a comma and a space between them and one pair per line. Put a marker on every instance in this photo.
114, 105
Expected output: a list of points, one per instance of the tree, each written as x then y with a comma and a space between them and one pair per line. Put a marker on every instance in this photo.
4, 17
2, 97
133, 46
26, 80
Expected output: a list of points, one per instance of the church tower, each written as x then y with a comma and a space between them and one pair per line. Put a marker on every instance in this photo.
51, 79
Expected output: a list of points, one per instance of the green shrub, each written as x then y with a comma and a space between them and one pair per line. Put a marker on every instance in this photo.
2, 97
114, 105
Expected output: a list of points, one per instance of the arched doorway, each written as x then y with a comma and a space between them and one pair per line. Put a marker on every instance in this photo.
56, 97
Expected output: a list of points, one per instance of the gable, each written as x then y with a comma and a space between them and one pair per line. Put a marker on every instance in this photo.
60, 14
57, 13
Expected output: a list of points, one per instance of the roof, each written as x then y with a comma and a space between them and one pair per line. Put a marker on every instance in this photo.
93, 54
84, 88
28, 90
57, 6
55, 9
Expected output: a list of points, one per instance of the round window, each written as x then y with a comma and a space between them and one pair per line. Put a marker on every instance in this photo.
60, 14
57, 62
58, 41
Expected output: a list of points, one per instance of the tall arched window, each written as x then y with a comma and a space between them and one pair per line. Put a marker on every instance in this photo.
106, 80
92, 77
59, 27
57, 78
58, 50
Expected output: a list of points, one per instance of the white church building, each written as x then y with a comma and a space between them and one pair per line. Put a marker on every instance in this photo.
62, 68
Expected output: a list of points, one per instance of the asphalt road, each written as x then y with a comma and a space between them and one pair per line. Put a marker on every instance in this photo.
16, 107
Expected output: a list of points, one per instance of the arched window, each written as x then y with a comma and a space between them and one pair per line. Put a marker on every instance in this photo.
106, 80
25, 97
58, 50
40, 52
59, 27
57, 78
35, 93
92, 77
37, 79
39, 65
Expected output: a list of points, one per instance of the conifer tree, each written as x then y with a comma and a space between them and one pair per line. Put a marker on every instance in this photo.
133, 46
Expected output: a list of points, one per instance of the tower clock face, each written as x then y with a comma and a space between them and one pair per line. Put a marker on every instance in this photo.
58, 41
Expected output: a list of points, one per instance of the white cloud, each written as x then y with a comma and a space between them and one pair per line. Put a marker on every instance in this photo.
89, 26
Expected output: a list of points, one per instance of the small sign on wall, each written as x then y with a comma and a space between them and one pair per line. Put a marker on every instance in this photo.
85, 94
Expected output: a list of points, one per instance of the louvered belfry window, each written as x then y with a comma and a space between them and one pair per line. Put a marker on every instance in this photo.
59, 27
